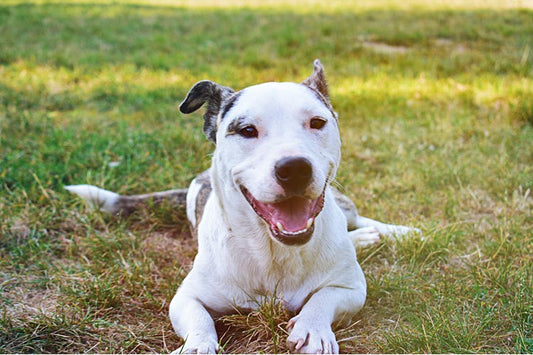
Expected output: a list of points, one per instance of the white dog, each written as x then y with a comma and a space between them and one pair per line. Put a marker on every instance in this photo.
267, 220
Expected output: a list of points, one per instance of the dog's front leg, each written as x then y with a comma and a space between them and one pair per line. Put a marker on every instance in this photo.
310, 330
194, 324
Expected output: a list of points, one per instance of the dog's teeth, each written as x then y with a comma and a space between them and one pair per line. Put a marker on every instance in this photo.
310, 222
280, 227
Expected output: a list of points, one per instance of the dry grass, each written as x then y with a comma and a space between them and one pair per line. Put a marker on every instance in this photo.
260, 331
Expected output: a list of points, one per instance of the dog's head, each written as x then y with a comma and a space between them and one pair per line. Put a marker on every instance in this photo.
278, 146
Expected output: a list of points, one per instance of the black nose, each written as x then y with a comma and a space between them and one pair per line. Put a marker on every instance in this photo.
293, 174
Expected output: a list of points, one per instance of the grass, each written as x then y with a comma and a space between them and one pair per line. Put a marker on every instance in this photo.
435, 101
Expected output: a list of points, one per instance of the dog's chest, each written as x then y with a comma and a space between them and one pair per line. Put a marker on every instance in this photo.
288, 278
246, 265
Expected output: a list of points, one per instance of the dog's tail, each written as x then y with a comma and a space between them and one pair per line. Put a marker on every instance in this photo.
114, 203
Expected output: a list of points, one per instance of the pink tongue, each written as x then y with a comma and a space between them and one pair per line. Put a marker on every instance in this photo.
292, 214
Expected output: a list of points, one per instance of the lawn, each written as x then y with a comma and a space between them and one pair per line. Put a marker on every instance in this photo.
435, 100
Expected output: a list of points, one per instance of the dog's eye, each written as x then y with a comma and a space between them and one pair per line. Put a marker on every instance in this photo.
317, 123
249, 132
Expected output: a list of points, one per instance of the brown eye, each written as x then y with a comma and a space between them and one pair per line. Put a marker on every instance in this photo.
249, 132
317, 123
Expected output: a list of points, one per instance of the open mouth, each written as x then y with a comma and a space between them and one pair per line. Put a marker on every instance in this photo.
291, 221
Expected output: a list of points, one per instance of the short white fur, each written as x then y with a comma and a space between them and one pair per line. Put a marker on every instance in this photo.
238, 261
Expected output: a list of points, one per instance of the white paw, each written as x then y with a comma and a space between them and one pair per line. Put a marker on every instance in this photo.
204, 346
392, 230
363, 237
311, 337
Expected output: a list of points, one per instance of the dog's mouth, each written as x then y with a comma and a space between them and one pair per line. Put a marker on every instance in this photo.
291, 221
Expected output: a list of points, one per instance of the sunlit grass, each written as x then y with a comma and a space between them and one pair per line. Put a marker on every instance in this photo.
313, 5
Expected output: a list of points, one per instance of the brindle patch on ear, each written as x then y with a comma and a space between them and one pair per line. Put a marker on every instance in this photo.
317, 80
317, 83
212, 93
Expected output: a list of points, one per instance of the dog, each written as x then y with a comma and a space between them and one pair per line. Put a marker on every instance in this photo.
267, 219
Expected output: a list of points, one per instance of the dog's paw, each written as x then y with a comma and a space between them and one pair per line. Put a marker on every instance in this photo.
392, 230
364, 237
202, 347
311, 337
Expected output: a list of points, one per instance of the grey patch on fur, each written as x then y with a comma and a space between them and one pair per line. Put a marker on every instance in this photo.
229, 104
126, 205
212, 93
204, 180
348, 208
235, 125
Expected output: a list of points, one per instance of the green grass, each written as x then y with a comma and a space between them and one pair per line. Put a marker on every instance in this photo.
436, 106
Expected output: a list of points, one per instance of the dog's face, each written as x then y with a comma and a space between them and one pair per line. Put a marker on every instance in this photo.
278, 147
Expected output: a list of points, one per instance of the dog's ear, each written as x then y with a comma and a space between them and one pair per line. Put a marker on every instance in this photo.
212, 93
317, 80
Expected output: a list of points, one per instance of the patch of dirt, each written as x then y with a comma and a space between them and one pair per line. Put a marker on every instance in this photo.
456, 48
23, 301
172, 248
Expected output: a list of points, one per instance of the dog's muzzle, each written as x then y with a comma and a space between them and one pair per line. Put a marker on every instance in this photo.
292, 220
293, 174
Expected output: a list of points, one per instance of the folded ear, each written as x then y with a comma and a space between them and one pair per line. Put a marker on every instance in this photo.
317, 80
212, 93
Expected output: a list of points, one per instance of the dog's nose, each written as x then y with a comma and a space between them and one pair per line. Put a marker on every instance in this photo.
294, 173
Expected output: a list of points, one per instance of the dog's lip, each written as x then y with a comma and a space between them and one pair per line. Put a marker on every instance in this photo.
293, 238
300, 229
